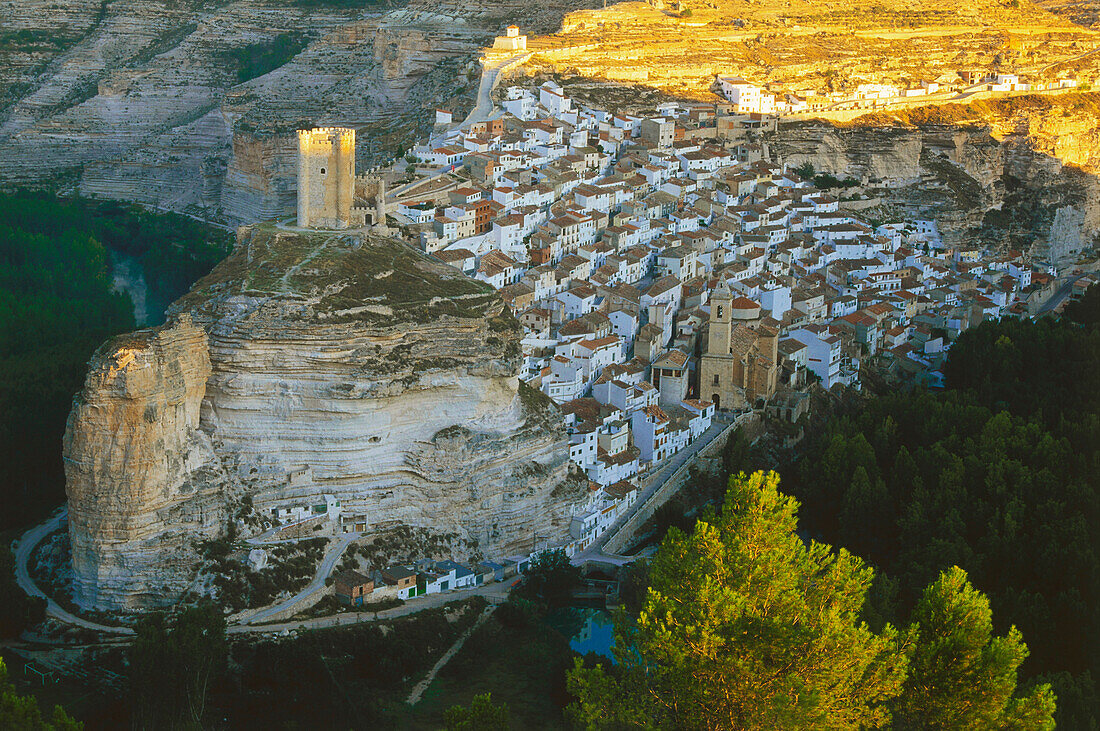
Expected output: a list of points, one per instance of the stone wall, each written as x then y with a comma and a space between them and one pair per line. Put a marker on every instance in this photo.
326, 177
624, 537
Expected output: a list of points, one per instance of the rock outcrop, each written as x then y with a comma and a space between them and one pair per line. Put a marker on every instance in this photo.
338, 365
136, 461
1021, 172
831, 47
141, 99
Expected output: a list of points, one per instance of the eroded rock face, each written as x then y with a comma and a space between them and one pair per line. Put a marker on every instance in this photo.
141, 100
338, 365
136, 461
1022, 173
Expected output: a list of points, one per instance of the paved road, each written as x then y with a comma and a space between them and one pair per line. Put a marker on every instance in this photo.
495, 592
328, 563
490, 75
649, 486
1058, 297
23, 549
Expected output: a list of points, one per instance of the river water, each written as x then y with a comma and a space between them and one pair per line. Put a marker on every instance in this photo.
587, 629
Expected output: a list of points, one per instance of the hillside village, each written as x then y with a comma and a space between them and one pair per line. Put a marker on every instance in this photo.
669, 276
666, 271
958, 86
625, 245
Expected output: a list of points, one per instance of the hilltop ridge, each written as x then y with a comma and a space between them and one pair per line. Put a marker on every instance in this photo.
801, 45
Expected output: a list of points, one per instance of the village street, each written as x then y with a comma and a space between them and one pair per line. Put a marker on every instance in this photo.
649, 487
495, 593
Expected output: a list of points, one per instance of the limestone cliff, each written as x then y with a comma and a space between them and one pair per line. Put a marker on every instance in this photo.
141, 99
338, 365
807, 45
136, 461
1019, 172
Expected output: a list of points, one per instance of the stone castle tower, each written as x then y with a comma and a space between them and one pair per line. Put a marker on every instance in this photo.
740, 363
326, 177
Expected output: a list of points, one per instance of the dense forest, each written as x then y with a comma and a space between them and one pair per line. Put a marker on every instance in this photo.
57, 306
746, 625
997, 475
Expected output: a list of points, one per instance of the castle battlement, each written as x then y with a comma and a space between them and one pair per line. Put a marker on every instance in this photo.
326, 177
326, 132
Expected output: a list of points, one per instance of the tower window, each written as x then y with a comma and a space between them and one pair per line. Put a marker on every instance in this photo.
322, 171
715, 379
719, 306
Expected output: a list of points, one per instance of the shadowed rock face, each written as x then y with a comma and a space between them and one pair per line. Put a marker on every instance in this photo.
1020, 172
141, 100
389, 377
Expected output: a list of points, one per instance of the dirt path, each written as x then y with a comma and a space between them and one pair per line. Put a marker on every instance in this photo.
419, 688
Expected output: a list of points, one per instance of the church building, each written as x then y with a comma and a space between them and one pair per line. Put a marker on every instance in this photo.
741, 360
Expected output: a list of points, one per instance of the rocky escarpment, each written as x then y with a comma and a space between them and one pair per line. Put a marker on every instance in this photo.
1019, 172
339, 366
141, 99
137, 464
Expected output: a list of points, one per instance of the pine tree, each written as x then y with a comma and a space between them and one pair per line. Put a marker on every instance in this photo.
746, 627
482, 715
21, 713
960, 675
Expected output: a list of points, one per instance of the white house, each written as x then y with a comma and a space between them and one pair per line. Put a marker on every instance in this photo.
823, 352
747, 98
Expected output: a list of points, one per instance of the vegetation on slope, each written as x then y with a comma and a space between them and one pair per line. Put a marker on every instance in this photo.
998, 476
57, 306
17, 610
21, 713
257, 59
746, 626
336, 3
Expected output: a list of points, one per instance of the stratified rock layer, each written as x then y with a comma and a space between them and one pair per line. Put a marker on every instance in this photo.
338, 365
1021, 172
136, 462
142, 100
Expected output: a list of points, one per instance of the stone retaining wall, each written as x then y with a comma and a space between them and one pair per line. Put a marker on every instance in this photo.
623, 538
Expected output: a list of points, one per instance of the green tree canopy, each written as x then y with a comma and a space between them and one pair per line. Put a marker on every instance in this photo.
999, 475
745, 626
21, 713
57, 304
173, 666
551, 578
482, 715
960, 675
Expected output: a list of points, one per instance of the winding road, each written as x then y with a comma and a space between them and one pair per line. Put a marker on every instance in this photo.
490, 76
328, 563
254, 622
495, 592
24, 549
